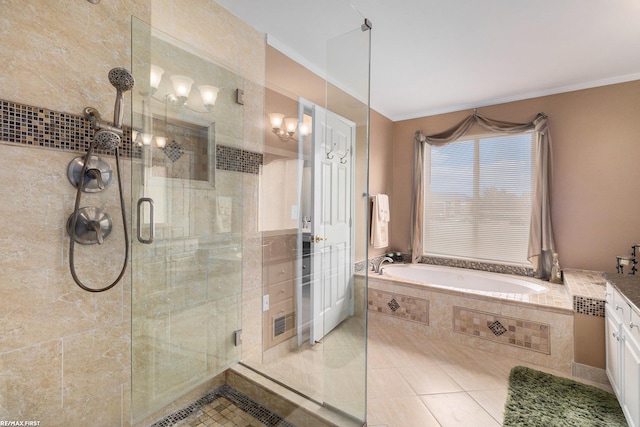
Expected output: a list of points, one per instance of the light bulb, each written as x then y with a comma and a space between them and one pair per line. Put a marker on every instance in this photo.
161, 141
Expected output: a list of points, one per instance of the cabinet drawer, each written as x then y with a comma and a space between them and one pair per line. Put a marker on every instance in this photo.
279, 272
608, 294
280, 291
620, 307
634, 325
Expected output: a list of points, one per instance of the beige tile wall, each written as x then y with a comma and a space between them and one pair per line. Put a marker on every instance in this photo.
64, 352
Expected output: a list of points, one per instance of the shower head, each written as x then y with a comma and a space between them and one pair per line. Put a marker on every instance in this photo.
123, 81
106, 139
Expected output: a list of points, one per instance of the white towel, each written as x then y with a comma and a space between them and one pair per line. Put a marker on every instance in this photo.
383, 207
380, 221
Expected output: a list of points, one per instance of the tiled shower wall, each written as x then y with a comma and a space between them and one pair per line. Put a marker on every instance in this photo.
64, 352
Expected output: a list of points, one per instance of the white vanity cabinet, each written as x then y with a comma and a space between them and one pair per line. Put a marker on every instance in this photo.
623, 353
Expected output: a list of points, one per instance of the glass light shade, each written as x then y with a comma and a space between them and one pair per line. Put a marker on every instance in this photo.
181, 85
290, 124
276, 120
161, 141
209, 94
155, 76
146, 138
304, 129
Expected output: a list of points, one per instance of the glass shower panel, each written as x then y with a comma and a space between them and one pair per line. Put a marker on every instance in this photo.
186, 219
346, 170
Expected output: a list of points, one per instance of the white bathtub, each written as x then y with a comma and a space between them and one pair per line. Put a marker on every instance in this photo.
463, 279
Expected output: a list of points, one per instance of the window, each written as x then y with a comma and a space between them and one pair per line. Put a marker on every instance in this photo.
477, 200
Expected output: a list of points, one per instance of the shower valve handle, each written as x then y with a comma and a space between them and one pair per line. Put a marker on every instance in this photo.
96, 174
95, 226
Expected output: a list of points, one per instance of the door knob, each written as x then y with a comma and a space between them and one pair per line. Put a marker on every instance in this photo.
319, 238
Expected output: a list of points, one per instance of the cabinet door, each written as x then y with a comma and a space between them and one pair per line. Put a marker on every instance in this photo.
612, 329
631, 380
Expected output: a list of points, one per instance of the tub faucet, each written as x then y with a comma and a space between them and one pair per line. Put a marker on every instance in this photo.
377, 268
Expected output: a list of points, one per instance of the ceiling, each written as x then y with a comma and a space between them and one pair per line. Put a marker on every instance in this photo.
436, 56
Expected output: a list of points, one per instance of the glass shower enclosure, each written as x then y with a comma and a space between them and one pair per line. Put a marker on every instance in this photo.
249, 251
187, 219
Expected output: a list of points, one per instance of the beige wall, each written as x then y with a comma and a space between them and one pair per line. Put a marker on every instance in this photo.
286, 79
64, 352
596, 153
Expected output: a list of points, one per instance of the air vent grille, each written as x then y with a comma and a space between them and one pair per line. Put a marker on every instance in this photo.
283, 324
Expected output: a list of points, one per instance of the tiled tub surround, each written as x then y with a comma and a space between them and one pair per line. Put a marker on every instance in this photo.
536, 328
587, 293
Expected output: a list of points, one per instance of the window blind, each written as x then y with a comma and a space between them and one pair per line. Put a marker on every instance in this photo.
477, 201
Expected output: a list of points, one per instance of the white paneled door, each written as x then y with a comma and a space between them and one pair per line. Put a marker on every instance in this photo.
332, 232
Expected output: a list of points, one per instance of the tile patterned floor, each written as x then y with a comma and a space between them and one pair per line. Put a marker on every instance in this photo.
434, 383
224, 407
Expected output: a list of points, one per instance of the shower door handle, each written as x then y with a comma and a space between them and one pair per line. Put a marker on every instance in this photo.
151, 223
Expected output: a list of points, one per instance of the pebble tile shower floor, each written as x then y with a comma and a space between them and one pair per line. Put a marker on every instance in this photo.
224, 407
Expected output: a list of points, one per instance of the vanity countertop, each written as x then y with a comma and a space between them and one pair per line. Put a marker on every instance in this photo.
628, 285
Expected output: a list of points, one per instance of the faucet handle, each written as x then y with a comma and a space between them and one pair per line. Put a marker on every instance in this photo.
96, 174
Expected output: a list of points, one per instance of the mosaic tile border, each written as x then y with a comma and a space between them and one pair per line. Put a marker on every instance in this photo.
476, 265
243, 402
589, 306
237, 160
42, 127
520, 333
413, 309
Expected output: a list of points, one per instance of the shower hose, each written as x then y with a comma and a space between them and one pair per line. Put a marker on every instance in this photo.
74, 218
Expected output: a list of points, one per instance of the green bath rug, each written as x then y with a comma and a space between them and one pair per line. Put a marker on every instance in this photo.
539, 399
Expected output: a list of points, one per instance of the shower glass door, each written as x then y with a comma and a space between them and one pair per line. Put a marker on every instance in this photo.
314, 219
187, 228
343, 220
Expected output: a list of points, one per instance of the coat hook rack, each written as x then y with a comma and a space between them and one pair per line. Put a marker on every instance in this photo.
343, 160
330, 154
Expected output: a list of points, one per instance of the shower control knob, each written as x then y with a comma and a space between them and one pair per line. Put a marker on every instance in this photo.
92, 226
97, 175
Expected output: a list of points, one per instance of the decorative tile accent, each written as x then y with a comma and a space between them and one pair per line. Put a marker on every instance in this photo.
497, 328
236, 160
517, 332
173, 151
404, 307
475, 265
41, 127
590, 306
223, 406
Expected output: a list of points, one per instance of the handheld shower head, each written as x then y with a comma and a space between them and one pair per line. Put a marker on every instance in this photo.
123, 81
106, 139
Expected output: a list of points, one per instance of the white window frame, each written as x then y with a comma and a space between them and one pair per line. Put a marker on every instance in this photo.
476, 191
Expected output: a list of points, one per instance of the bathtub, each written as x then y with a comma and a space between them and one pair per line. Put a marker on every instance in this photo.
515, 316
463, 279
